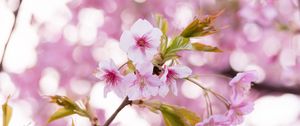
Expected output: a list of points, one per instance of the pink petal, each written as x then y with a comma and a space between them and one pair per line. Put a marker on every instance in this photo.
173, 86
155, 35
145, 68
150, 52
163, 90
128, 80
245, 77
134, 92
154, 80
127, 41
137, 56
150, 91
108, 65
107, 89
163, 76
182, 71
141, 27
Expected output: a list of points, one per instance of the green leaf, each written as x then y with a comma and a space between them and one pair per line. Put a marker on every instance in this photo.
174, 115
206, 48
7, 113
162, 23
69, 107
199, 28
60, 113
178, 116
179, 43
63, 101
163, 43
204, 27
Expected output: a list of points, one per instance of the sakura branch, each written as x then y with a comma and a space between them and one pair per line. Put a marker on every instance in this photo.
153, 67
16, 12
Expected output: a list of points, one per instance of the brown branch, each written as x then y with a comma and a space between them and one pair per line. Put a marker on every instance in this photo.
16, 12
125, 102
266, 87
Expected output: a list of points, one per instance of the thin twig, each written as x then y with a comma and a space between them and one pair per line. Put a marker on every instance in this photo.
218, 96
125, 102
16, 12
123, 65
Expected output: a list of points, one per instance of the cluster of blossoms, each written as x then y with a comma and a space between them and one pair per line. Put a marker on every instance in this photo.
240, 104
141, 43
143, 79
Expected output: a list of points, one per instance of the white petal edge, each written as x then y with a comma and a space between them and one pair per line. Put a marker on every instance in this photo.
141, 27
182, 71
126, 41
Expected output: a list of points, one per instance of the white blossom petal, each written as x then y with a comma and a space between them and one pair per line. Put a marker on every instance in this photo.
127, 40
145, 68
136, 55
163, 90
182, 71
141, 27
155, 35
173, 86
134, 92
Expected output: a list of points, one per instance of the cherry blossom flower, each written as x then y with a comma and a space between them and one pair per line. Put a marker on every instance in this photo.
215, 120
241, 84
144, 83
169, 77
237, 110
109, 73
141, 42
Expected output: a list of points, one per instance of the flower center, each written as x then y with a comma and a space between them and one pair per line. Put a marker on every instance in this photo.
171, 75
141, 42
111, 77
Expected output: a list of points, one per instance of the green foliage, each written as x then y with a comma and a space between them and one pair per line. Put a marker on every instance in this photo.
174, 115
205, 48
69, 107
60, 113
198, 28
179, 43
161, 23
7, 113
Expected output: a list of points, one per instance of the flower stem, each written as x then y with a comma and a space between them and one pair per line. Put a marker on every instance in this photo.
218, 96
10, 34
123, 65
125, 102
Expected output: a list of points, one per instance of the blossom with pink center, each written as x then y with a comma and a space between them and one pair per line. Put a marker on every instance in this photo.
144, 83
215, 120
169, 76
108, 72
241, 84
141, 42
